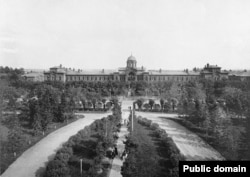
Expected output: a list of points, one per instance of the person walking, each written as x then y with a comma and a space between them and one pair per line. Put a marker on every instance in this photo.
116, 151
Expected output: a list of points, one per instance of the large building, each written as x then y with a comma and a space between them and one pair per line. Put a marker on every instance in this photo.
132, 73
33, 76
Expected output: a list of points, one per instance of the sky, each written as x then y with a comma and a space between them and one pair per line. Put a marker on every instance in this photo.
89, 34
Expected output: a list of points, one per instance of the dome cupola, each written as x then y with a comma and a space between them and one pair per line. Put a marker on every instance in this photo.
131, 62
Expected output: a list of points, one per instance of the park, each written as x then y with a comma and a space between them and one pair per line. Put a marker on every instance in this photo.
60, 129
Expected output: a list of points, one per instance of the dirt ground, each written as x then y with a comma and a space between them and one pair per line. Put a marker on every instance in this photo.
190, 145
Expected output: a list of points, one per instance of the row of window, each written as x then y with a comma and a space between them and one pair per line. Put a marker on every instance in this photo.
88, 78
54, 78
122, 78
170, 78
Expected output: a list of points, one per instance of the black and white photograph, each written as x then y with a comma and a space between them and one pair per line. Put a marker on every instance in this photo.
124, 88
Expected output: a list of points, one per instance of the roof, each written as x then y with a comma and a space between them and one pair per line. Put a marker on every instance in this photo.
240, 73
33, 74
206, 72
211, 66
55, 67
172, 72
92, 72
131, 57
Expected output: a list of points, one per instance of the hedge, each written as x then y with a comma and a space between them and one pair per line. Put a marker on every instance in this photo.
173, 152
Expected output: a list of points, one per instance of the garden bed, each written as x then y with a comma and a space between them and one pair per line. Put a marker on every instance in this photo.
150, 152
87, 149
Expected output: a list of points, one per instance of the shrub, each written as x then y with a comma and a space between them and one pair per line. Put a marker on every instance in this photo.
89, 144
154, 126
174, 172
174, 159
64, 154
57, 168
145, 122
160, 133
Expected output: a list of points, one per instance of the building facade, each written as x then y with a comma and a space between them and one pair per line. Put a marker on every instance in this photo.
33, 76
132, 73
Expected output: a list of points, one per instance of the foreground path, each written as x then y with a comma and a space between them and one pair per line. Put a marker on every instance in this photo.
117, 162
190, 145
35, 158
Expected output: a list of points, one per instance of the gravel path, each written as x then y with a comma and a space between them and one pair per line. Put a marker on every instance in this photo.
117, 162
190, 145
34, 159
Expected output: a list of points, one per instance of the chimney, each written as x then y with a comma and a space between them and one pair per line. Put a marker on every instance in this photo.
160, 70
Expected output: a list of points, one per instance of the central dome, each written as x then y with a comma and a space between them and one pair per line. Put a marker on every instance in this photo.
131, 57
131, 62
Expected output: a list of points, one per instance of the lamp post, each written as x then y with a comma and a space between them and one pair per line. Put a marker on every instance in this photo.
132, 120
110, 92
106, 132
81, 166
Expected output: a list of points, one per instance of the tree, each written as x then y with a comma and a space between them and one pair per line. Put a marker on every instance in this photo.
151, 103
104, 103
36, 124
234, 98
146, 106
33, 110
47, 118
15, 140
94, 101
57, 168
59, 114
139, 103
167, 106
162, 103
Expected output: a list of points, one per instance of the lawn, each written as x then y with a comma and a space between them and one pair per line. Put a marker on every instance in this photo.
148, 155
3, 132
28, 139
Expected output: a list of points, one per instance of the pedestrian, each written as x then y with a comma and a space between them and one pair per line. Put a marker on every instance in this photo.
116, 151
113, 154
123, 154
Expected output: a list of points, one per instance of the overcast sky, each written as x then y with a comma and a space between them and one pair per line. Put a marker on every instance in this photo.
167, 34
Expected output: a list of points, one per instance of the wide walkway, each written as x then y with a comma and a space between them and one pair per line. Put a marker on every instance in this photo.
34, 159
117, 162
189, 144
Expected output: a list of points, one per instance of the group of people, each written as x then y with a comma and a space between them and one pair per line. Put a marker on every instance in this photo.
113, 152
124, 154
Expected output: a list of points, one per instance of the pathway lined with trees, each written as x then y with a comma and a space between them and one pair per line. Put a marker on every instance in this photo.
35, 158
117, 162
189, 144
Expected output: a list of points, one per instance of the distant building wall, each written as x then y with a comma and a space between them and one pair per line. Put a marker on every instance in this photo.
132, 73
